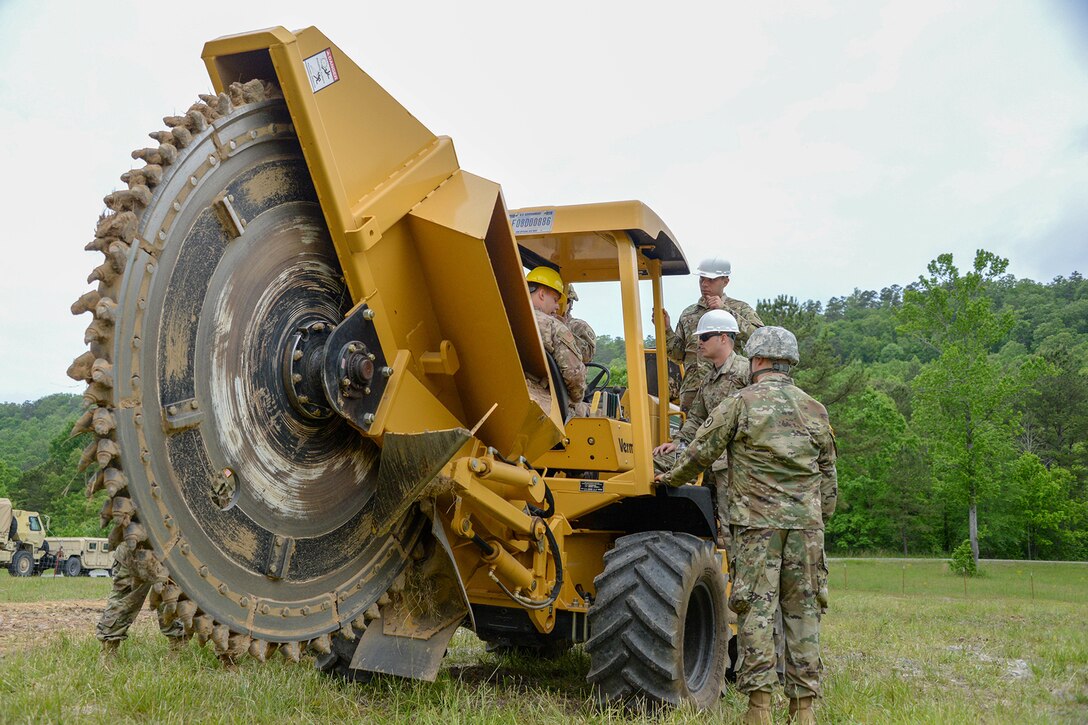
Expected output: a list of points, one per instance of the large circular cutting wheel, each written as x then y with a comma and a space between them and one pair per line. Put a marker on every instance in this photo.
219, 286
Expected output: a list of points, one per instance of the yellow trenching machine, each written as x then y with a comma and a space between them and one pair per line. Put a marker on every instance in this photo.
307, 387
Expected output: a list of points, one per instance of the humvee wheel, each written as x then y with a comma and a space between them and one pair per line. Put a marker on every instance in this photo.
659, 621
73, 566
22, 564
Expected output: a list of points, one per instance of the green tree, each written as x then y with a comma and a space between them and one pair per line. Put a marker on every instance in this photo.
822, 372
961, 396
9, 474
1043, 502
56, 488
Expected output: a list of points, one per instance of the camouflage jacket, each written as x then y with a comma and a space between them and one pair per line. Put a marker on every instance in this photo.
781, 456
683, 347
730, 377
584, 336
559, 341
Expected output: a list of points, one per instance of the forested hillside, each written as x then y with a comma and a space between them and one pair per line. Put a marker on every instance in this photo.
38, 462
961, 395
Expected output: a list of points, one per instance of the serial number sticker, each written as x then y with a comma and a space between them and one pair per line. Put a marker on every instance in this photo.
532, 222
321, 70
591, 486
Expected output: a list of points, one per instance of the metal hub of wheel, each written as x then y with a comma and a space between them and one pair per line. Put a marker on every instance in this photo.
214, 434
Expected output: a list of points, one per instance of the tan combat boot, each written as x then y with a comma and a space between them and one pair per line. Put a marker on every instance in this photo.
759, 708
801, 711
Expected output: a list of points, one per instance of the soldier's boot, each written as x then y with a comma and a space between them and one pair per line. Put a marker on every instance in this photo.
801, 711
759, 709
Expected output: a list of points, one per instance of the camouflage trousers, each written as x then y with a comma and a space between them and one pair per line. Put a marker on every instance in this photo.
772, 569
122, 607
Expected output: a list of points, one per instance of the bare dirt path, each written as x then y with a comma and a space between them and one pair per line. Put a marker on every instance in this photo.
22, 624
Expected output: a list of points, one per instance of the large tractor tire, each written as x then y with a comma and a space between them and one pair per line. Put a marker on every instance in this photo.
658, 624
73, 566
248, 500
22, 563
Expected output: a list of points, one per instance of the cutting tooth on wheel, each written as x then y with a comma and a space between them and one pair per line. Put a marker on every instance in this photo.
87, 457
97, 394
260, 649
237, 647
106, 452
122, 226
106, 309
80, 369
104, 273
122, 200
86, 302
204, 111
186, 611
135, 534
202, 628
83, 423
114, 481
103, 421
105, 515
163, 154
220, 638
322, 644
102, 373
292, 652
122, 511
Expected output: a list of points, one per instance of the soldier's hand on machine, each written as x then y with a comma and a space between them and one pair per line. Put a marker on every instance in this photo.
715, 302
665, 314
665, 448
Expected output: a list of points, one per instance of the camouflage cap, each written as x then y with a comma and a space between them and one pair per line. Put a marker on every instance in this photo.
773, 343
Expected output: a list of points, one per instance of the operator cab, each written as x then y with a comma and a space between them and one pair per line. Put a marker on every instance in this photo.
616, 242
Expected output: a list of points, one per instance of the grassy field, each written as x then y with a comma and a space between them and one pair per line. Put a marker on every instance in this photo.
901, 644
51, 589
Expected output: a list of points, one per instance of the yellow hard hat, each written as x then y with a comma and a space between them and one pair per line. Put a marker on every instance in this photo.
549, 278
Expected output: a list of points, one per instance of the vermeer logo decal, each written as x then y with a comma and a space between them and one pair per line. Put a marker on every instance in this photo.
626, 447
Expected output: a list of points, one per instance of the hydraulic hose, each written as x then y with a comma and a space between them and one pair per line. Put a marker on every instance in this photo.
548, 512
529, 604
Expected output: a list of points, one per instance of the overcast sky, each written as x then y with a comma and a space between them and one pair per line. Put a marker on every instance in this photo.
821, 146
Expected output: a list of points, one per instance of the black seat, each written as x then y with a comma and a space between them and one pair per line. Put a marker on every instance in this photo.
562, 395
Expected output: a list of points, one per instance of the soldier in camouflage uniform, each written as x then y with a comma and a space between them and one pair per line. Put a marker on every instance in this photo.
583, 333
680, 345
729, 372
546, 293
783, 488
135, 572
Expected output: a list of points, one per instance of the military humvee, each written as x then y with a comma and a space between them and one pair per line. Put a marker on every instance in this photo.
22, 540
79, 555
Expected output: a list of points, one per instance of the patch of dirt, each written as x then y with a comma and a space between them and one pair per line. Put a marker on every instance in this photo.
1015, 669
25, 624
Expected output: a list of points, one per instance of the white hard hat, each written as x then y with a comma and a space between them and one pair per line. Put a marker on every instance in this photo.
716, 321
714, 267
